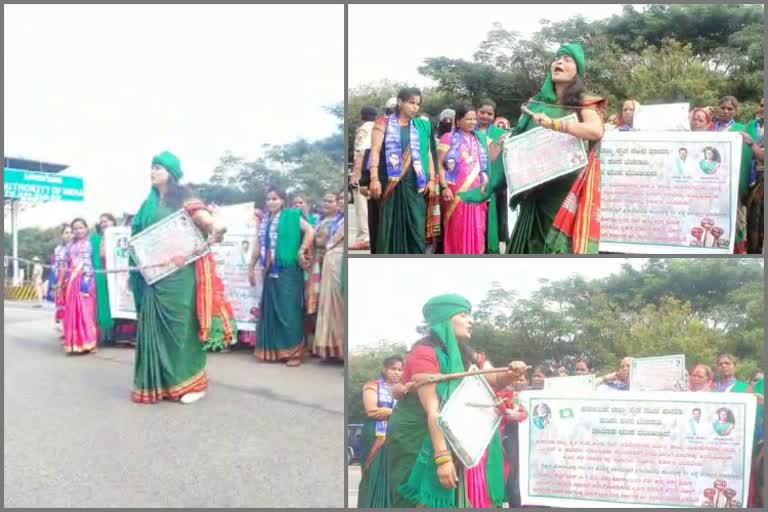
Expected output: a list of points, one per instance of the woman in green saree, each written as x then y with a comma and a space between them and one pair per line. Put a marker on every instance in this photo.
401, 158
547, 222
379, 403
282, 253
498, 211
103, 311
175, 313
754, 138
422, 469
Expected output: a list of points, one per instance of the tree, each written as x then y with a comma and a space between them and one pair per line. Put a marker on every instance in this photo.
363, 367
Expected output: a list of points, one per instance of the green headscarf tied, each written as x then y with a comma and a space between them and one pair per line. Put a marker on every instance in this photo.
546, 95
170, 162
423, 487
547, 92
147, 214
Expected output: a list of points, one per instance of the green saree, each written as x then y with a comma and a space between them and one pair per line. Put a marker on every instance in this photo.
281, 327
170, 361
103, 311
498, 209
403, 220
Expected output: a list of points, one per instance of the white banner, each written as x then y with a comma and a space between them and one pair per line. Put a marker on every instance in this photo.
233, 256
670, 116
669, 192
656, 449
570, 383
116, 256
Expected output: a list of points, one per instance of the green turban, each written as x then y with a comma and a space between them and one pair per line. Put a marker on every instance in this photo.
438, 312
170, 162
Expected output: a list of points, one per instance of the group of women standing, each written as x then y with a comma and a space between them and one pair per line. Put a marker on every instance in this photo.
187, 310
446, 192
452, 183
302, 281
404, 459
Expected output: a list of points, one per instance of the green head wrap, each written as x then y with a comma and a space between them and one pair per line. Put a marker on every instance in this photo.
547, 92
438, 312
170, 162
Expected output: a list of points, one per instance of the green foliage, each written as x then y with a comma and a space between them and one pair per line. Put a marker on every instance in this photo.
363, 367
697, 307
300, 167
655, 54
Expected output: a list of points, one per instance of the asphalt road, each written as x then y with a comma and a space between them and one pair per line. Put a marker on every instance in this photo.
353, 473
264, 436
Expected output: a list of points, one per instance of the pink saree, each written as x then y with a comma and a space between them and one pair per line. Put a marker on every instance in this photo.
464, 224
80, 331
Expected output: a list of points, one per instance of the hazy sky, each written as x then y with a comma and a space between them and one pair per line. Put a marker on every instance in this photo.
386, 295
453, 31
104, 88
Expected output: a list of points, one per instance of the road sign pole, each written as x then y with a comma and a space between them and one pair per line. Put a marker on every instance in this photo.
15, 237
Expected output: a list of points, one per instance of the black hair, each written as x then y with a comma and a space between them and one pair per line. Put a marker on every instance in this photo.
277, 190
78, 219
682, 149
729, 417
573, 96
462, 111
695, 409
541, 368
110, 217
64, 228
468, 354
405, 94
729, 99
443, 127
582, 360
487, 101
391, 360
715, 158
368, 113
175, 194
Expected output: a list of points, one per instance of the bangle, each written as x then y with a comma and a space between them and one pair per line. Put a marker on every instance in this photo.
564, 127
445, 459
555, 125
442, 453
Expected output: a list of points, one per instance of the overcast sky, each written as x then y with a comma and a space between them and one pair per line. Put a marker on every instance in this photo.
104, 88
386, 295
453, 31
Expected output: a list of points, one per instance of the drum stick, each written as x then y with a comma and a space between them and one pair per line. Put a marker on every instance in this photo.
525, 110
453, 376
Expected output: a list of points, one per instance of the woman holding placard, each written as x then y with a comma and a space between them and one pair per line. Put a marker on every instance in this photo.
180, 312
561, 215
423, 470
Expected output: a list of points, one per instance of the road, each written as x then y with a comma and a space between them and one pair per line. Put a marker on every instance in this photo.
265, 436
353, 474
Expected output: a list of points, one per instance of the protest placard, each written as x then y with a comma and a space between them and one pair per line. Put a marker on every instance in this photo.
570, 383
655, 449
669, 116
541, 155
116, 257
670, 193
233, 256
664, 373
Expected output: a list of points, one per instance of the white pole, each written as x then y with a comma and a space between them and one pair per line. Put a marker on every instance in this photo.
15, 235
